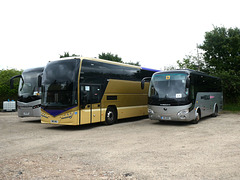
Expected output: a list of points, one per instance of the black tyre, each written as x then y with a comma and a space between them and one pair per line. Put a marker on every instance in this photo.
111, 116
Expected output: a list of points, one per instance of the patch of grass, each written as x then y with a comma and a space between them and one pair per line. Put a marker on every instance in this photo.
231, 107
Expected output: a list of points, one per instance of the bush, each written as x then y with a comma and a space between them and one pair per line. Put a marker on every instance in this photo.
5, 91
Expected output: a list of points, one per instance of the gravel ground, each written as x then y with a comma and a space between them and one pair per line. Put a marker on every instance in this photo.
130, 149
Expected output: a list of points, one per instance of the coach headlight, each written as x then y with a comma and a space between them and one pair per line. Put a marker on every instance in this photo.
183, 114
150, 112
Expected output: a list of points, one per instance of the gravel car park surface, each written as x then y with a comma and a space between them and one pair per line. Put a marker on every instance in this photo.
131, 149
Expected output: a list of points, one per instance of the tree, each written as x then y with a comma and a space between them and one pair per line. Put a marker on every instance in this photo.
222, 50
222, 58
5, 91
132, 63
66, 54
192, 62
112, 57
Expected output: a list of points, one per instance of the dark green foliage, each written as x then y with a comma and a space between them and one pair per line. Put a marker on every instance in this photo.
232, 107
132, 63
191, 62
231, 86
222, 50
222, 58
112, 57
5, 91
66, 54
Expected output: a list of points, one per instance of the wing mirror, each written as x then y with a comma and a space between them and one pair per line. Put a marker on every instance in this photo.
12, 80
143, 81
40, 80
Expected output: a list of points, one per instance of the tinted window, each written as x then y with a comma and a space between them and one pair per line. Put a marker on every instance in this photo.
61, 71
207, 84
98, 72
59, 83
144, 73
28, 87
94, 78
168, 88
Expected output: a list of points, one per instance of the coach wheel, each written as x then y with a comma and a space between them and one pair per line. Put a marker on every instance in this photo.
111, 116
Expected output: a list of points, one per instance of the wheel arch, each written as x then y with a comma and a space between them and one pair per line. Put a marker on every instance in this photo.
198, 110
214, 107
215, 110
111, 115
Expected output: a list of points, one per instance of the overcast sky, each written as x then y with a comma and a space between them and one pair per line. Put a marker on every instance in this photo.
156, 33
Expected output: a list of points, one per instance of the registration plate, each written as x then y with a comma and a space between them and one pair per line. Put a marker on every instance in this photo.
165, 118
26, 113
54, 121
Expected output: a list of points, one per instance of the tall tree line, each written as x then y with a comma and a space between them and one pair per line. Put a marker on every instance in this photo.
220, 57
